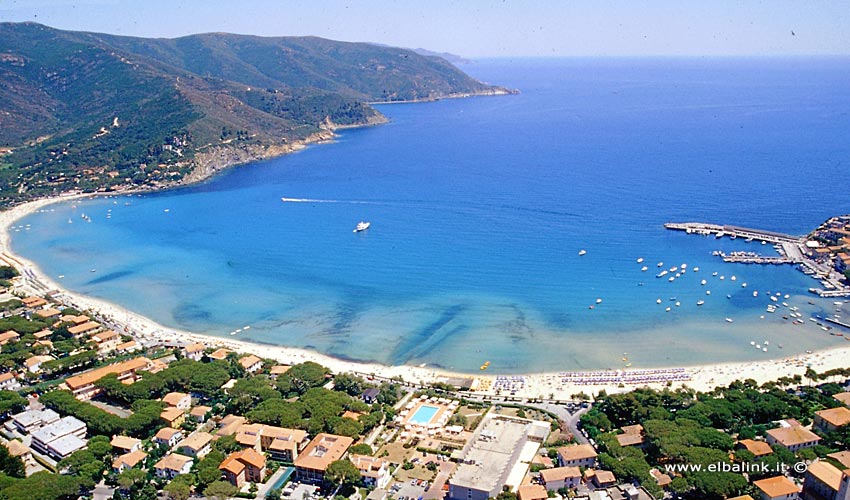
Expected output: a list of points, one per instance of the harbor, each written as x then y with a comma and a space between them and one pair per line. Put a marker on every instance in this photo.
795, 250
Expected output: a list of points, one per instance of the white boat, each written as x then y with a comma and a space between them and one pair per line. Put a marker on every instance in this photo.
723, 277
733, 278
672, 278
598, 301
708, 292
728, 320
764, 349
755, 293
678, 304
361, 226
714, 273
640, 260
743, 285
696, 269
752, 342
582, 252
703, 282
668, 309
658, 301
644, 269
700, 302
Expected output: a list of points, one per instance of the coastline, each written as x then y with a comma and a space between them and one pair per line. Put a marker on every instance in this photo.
546, 385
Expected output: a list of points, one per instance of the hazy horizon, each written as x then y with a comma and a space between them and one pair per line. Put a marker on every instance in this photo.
481, 29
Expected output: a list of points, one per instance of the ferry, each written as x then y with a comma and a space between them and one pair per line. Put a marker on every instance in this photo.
362, 226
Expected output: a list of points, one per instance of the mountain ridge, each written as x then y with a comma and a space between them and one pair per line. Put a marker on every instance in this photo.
84, 111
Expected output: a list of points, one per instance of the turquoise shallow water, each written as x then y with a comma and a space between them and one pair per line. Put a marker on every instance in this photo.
479, 208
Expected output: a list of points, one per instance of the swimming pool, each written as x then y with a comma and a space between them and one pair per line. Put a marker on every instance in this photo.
424, 414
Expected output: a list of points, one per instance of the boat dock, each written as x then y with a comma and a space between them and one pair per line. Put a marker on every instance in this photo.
752, 258
836, 322
733, 231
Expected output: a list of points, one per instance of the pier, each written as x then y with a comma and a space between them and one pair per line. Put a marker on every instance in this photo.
733, 231
751, 258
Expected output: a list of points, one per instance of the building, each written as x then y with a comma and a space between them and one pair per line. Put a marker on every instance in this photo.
197, 445
168, 437
822, 481
842, 457
794, 437
125, 444
61, 438
194, 351
230, 425
179, 400
283, 445
843, 398
757, 448
33, 363
251, 363
85, 328
9, 336
28, 421
832, 419
493, 458
128, 347
244, 466
8, 382
777, 488
370, 395
33, 302
320, 452
662, 479
173, 465
560, 477
219, 354
19, 449
278, 370
199, 413
532, 492
602, 478
173, 417
577, 455
632, 435
83, 385
374, 472
106, 341
128, 460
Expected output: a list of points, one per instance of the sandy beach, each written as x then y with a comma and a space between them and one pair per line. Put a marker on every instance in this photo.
557, 386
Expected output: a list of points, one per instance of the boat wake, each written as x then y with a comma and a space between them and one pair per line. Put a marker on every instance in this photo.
312, 200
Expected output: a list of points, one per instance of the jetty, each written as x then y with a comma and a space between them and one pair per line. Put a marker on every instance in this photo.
734, 232
791, 249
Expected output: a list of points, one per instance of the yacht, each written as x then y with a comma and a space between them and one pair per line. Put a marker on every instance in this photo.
362, 226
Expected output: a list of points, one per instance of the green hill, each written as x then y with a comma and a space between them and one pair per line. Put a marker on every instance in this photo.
89, 111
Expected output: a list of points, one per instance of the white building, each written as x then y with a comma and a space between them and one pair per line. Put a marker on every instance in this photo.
61, 438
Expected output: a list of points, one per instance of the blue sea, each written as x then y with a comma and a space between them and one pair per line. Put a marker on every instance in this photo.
479, 208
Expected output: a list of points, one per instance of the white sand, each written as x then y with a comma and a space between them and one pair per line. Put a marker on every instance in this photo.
539, 385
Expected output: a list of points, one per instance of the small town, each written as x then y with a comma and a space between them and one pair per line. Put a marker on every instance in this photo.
89, 411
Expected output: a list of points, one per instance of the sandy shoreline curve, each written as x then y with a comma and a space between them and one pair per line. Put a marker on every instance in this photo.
547, 385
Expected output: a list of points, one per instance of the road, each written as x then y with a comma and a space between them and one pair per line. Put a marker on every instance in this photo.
436, 489
570, 419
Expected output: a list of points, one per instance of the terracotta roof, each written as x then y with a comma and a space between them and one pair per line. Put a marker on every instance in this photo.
835, 416
174, 398
629, 439
17, 448
605, 476
196, 347
322, 450
632, 429
93, 376
6, 376
559, 473
36, 360
104, 336
126, 345
129, 459
368, 466
173, 461
577, 452
197, 441
42, 334
826, 473
9, 335
757, 448
790, 436
85, 327
776, 486
199, 411
171, 414
124, 442
844, 397
49, 312
249, 361
661, 478
842, 457
166, 433
229, 425
742, 497
532, 492
219, 353
236, 461
280, 369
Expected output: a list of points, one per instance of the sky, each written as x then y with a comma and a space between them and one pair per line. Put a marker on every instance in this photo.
482, 28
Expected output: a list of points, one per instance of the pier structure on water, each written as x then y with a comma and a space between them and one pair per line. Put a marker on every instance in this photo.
791, 249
